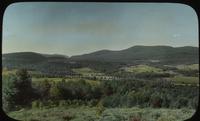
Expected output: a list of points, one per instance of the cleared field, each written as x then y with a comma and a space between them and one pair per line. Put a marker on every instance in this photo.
45, 78
84, 70
7, 72
87, 72
186, 80
84, 113
188, 67
142, 68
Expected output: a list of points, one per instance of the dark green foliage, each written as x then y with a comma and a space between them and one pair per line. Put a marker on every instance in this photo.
43, 88
67, 117
67, 90
24, 87
35, 104
143, 93
9, 92
156, 100
135, 118
141, 54
111, 101
24, 56
17, 90
100, 108
112, 93
55, 92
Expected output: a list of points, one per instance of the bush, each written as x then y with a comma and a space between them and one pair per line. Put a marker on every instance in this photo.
115, 100
35, 104
41, 105
167, 118
67, 116
62, 103
100, 109
182, 102
156, 100
43, 89
55, 92
92, 103
51, 103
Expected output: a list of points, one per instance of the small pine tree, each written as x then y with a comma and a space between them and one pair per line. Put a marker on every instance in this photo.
100, 108
24, 87
9, 92
17, 90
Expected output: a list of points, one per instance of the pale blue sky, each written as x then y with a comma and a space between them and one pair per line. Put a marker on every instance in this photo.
77, 28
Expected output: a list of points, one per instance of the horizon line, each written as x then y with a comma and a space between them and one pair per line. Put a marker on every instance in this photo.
96, 50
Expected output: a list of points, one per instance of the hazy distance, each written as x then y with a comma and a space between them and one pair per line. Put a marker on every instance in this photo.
79, 28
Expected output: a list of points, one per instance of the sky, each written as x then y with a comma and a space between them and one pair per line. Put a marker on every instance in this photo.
79, 28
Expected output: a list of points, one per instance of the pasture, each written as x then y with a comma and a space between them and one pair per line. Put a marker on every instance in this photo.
87, 72
185, 80
188, 67
142, 68
7, 72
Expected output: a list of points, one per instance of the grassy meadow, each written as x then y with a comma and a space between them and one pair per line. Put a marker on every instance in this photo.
85, 113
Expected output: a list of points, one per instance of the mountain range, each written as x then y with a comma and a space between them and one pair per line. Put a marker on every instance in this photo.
135, 54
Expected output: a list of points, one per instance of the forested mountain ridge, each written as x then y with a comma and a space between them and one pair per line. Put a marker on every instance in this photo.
139, 54
31, 56
145, 53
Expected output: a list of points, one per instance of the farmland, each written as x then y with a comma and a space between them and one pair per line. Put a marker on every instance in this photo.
87, 72
142, 68
188, 67
186, 80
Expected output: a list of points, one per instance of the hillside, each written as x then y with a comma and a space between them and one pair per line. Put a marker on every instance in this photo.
47, 64
140, 54
133, 55
24, 57
32, 57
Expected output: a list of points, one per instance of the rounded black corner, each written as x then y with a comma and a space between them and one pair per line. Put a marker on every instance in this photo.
5, 116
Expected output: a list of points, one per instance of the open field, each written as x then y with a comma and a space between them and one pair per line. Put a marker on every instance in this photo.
45, 78
87, 72
7, 72
186, 80
142, 68
85, 113
188, 67
13, 71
